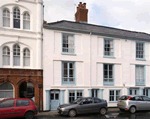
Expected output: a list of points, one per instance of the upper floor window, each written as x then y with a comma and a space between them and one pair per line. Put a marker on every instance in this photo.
6, 18
139, 71
108, 74
16, 18
16, 55
26, 21
139, 50
26, 57
68, 75
108, 47
6, 56
68, 43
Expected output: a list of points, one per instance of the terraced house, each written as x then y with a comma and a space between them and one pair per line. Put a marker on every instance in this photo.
82, 59
21, 73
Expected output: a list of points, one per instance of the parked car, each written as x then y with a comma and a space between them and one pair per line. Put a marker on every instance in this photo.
84, 105
18, 107
133, 103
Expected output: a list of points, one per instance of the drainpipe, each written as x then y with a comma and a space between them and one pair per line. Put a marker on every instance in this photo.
90, 60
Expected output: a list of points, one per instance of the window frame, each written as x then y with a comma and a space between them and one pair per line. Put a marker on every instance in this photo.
22, 100
15, 18
136, 82
74, 73
17, 55
113, 75
75, 96
133, 91
137, 58
115, 90
8, 100
109, 39
6, 16
29, 20
73, 53
7, 54
25, 56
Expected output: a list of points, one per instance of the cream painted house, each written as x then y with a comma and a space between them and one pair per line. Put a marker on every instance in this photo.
81, 60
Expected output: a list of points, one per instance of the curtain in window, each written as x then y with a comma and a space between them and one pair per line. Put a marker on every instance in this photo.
6, 56
70, 44
6, 18
26, 21
16, 55
26, 57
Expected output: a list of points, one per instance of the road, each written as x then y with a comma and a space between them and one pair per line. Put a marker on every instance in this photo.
120, 115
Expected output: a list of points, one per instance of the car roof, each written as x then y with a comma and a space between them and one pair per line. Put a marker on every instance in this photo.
17, 99
132, 95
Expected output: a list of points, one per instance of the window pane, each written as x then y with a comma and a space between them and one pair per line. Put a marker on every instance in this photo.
52, 96
7, 103
22, 103
16, 60
56, 96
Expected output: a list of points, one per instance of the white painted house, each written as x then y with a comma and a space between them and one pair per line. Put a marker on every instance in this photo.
21, 23
81, 60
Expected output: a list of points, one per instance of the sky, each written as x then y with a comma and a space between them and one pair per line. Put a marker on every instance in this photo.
131, 15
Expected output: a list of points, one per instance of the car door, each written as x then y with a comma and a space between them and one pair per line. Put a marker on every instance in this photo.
97, 105
147, 101
140, 103
21, 106
86, 106
7, 108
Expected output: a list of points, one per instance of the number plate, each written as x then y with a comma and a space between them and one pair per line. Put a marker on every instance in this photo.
121, 102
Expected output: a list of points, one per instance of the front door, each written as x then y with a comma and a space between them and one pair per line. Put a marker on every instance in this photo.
54, 100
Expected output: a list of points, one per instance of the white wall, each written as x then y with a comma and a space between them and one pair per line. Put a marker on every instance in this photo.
31, 39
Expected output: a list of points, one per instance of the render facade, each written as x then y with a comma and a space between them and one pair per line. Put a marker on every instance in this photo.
82, 60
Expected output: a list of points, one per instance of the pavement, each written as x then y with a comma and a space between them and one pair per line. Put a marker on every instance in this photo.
54, 113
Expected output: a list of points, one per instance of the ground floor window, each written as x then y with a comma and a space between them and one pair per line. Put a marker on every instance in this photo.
74, 94
6, 90
145, 92
114, 95
94, 92
133, 91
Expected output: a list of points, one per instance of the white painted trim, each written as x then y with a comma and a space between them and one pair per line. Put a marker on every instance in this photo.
68, 60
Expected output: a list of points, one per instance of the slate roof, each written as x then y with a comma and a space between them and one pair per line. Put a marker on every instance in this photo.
97, 30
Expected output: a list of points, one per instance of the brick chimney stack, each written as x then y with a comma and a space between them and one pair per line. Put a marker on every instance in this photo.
82, 13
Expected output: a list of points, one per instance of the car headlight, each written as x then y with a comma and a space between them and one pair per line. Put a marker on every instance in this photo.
63, 109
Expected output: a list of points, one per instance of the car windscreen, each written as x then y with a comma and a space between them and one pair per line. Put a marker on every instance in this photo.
77, 101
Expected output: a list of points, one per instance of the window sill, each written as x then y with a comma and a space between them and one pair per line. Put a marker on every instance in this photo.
109, 57
139, 84
141, 59
108, 84
68, 54
68, 84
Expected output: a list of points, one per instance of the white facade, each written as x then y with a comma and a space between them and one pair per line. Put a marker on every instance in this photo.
30, 38
89, 67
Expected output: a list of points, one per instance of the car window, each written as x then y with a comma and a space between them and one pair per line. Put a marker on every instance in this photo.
138, 98
87, 101
146, 98
97, 100
22, 103
7, 103
124, 98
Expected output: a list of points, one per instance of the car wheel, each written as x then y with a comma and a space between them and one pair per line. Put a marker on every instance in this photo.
29, 115
72, 113
132, 109
103, 111
121, 109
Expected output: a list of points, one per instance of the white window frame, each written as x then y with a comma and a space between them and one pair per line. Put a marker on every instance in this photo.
26, 19
6, 54
108, 47
26, 54
16, 16
6, 16
16, 53
115, 95
140, 50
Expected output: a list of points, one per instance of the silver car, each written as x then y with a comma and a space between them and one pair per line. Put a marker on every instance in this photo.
83, 105
133, 103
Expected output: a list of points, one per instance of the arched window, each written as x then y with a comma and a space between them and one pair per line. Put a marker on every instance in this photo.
6, 90
16, 17
6, 56
26, 21
6, 18
16, 55
26, 57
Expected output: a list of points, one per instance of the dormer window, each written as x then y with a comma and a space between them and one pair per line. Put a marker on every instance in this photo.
26, 21
6, 18
16, 18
